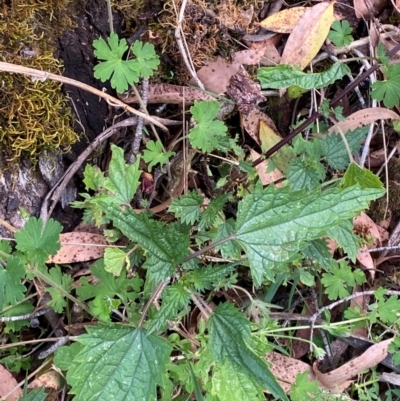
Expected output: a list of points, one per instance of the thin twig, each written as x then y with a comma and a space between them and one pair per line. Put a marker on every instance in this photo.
43, 75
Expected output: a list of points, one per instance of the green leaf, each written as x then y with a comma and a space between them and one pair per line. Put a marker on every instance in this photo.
204, 135
115, 260
388, 309
122, 73
364, 178
175, 299
210, 215
345, 238
274, 224
340, 280
228, 333
65, 281
340, 33
303, 387
154, 154
165, 246
94, 177
230, 249
102, 307
187, 207
335, 150
234, 384
381, 54
146, 57
11, 289
107, 285
64, 356
389, 89
305, 173
37, 394
285, 75
24, 308
38, 242
123, 179
318, 251
118, 363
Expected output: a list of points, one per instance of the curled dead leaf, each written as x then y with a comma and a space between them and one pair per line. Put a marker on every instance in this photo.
7, 384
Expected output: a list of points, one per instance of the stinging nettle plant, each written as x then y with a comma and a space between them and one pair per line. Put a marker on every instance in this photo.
276, 232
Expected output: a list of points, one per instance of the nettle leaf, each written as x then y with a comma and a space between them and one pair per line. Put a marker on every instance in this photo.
187, 207
165, 246
123, 179
146, 57
273, 224
11, 289
230, 249
335, 150
204, 135
228, 333
340, 33
343, 234
175, 299
318, 251
364, 178
210, 215
64, 281
285, 75
389, 89
305, 173
122, 73
154, 154
234, 384
38, 242
118, 363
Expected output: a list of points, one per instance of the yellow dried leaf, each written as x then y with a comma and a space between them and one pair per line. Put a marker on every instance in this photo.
285, 20
308, 35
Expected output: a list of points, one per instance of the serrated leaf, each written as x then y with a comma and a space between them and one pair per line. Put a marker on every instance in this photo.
118, 363
39, 242
94, 177
356, 175
146, 57
228, 333
303, 387
340, 33
115, 260
230, 249
233, 384
11, 289
154, 154
285, 75
122, 73
123, 179
175, 299
64, 281
343, 234
318, 251
165, 246
273, 224
187, 207
64, 355
102, 307
389, 89
204, 135
305, 173
335, 150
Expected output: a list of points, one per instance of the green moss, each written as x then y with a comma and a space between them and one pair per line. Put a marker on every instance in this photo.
34, 115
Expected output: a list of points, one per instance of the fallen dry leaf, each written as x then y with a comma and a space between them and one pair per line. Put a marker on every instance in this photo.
265, 178
363, 117
79, 247
308, 35
215, 75
7, 384
284, 21
254, 55
285, 369
251, 123
367, 9
339, 379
